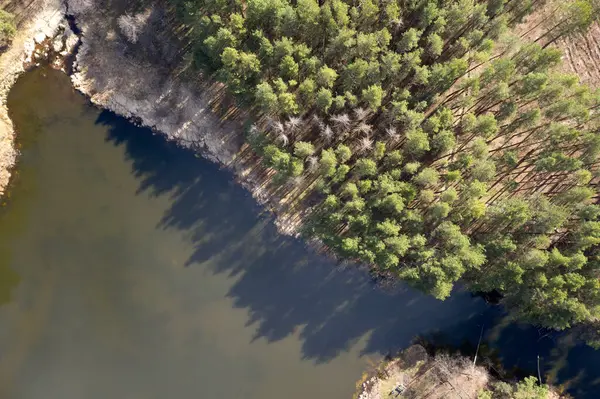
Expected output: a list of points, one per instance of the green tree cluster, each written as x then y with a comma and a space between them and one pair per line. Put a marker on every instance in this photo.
436, 146
526, 389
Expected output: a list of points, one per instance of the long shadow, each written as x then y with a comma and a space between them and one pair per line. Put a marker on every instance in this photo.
287, 288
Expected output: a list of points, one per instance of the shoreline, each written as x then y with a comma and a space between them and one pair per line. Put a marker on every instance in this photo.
118, 76
414, 372
172, 106
192, 124
37, 22
146, 85
118, 83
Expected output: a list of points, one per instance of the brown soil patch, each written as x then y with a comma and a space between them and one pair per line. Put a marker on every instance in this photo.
581, 51
582, 55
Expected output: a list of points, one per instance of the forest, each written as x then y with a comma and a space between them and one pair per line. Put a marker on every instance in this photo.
437, 141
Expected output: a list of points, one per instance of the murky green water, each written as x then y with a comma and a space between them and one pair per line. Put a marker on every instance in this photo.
131, 269
145, 272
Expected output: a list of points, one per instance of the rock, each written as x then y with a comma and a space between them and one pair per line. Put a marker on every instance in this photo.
28, 46
39, 37
71, 40
57, 44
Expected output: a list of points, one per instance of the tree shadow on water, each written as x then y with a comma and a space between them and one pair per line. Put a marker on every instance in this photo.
285, 287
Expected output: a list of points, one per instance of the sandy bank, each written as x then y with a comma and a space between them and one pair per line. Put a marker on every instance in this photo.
37, 20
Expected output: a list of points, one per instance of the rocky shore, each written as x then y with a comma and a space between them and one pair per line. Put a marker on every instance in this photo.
413, 373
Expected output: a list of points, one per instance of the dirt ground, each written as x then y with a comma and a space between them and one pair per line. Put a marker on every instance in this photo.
581, 51
582, 55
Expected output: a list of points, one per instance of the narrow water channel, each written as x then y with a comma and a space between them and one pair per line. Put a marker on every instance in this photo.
129, 268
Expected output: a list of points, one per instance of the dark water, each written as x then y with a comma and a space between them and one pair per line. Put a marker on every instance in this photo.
131, 269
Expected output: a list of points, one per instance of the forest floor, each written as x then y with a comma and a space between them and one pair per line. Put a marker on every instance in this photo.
582, 55
581, 51
149, 82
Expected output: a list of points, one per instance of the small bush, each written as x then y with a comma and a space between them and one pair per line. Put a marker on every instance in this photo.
132, 26
7, 28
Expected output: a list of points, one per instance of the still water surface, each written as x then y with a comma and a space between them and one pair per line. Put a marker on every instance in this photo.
129, 268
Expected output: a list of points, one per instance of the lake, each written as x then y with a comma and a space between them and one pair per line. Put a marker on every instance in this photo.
130, 268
